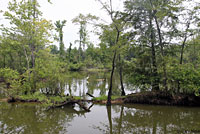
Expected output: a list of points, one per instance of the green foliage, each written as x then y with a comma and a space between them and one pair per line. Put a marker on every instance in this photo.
142, 36
36, 96
58, 99
8, 74
76, 97
188, 77
75, 67
44, 98
47, 73
11, 78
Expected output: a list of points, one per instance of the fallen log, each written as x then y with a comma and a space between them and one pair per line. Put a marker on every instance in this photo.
12, 100
83, 106
61, 105
90, 95
71, 102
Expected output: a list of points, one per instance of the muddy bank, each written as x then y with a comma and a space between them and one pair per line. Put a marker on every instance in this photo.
162, 98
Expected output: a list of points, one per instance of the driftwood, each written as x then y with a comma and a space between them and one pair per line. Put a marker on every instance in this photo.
67, 102
83, 106
72, 102
90, 95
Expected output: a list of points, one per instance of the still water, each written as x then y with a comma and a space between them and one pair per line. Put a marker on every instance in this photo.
127, 119
95, 83
33, 118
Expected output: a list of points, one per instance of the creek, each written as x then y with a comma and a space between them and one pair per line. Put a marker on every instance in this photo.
32, 118
21, 118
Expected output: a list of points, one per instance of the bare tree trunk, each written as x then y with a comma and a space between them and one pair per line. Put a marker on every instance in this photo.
162, 54
121, 76
20, 62
79, 58
70, 48
155, 83
32, 45
32, 56
182, 51
110, 12
113, 69
12, 62
183, 44
111, 80
27, 59
4, 61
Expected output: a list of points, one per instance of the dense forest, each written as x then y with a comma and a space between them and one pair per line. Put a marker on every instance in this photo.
154, 43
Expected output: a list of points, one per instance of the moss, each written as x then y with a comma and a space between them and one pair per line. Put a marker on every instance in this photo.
37, 96
104, 97
96, 70
58, 99
77, 97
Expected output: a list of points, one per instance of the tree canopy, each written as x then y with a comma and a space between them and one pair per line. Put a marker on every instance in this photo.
154, 43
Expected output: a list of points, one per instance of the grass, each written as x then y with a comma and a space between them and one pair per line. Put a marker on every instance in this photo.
96, 70
47, 99
104, 97
36, 96
77, 97
51, 100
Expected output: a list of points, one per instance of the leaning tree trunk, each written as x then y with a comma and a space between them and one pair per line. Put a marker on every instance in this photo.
155, 83
111, 79
4, 61
121, 77
113, 69
182, 51
162, 53
32, 46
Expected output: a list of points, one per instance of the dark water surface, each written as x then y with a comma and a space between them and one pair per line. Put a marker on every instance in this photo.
127, 119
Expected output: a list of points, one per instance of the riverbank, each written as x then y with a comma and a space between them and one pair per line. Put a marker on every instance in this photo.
152, 98
163, 98
156, 98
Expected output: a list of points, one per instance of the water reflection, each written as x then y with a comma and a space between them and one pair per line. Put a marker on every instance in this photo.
79, 83
33, 119
140, 119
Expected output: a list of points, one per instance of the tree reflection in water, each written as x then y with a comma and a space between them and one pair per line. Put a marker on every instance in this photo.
95, 83
127, 119
33, 119
143, 119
